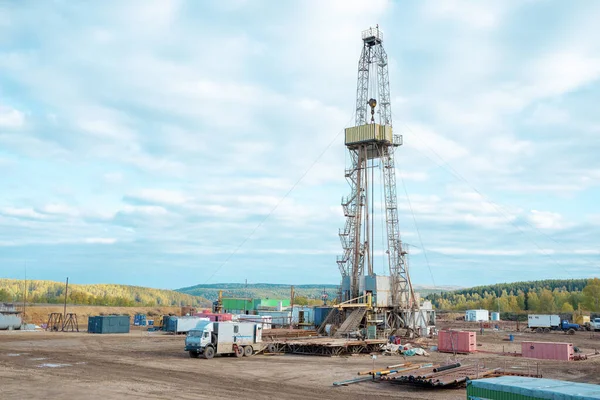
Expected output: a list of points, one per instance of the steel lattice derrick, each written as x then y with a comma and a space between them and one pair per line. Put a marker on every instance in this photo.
373, 61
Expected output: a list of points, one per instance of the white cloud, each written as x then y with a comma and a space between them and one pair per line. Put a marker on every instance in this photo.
113, 177
548, 114
547, 220
101, 240
21, 212
11, 118
474, 15
161, 196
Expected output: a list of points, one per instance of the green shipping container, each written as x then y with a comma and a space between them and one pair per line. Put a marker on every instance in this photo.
237, 305
523, 388
109, 324
272, 302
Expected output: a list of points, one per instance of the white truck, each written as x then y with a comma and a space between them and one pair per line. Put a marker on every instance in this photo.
546, 323
211, 338
595, 324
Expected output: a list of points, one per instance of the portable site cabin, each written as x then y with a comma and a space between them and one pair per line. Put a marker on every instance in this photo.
477, 315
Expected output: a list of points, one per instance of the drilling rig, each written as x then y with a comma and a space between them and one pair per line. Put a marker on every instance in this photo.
374, 305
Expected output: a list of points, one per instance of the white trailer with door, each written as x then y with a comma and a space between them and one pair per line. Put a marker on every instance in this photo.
211, 338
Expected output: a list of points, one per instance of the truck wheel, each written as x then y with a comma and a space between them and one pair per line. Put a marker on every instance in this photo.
194, 354
539, 330
272, 348
571, 331
239, 351
248, 351
546, 330
209, 352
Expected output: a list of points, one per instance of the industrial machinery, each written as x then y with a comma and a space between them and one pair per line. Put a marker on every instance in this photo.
378, 304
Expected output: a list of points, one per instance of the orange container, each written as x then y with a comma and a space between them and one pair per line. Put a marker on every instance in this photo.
547, 350
457, 342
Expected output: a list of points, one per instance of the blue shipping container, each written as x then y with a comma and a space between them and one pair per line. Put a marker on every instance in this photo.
320, 314
139, 320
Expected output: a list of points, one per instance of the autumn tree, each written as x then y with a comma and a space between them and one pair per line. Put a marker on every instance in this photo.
591, 295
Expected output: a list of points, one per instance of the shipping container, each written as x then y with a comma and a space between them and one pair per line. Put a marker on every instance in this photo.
109, 324
271, 303
265, 320
214, 317
320, 314
457, 341
368, 133
524, 388
303, 315
139, 320
477, 315
182, 324
237, 305
495, 316
547, 350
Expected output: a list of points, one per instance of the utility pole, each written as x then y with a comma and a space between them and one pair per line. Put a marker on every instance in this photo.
25, 293
65, 310
291, 305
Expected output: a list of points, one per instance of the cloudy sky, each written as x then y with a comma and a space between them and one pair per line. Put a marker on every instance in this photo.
169, 143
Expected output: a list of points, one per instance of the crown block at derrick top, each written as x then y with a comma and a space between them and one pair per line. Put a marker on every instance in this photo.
368, 133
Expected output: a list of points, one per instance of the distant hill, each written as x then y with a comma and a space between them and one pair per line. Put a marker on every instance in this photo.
49, 292
280, 291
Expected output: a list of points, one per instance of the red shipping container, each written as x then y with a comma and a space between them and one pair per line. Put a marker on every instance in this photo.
215, 317
457, 342
548, 350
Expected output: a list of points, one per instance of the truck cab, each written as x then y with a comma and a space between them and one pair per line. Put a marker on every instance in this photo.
568, 327
595, 324
226, 337
197, 339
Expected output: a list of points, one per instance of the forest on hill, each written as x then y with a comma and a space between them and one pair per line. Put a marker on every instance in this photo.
49, 292
546, 296
304, 294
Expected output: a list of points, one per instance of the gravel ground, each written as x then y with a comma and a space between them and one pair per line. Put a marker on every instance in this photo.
153, 365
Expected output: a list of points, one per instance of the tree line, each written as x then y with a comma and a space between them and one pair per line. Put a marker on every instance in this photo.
548, 296
48, 292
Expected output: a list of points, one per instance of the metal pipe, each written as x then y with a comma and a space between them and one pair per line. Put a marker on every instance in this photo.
445, 367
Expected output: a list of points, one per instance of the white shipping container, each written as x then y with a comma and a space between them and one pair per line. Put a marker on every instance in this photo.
542, 320
186, 324
477, 315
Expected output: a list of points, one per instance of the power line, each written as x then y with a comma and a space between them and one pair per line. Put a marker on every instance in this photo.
279, 202
418, 231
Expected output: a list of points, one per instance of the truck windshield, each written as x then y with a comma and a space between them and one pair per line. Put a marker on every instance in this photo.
195, 333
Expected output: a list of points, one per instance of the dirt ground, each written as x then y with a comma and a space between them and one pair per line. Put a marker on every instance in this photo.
142, 364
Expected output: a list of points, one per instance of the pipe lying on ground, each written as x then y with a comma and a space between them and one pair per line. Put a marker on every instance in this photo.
350, 381
445, 367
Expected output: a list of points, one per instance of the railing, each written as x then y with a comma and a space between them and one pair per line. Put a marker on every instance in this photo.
397, 140
372, 32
